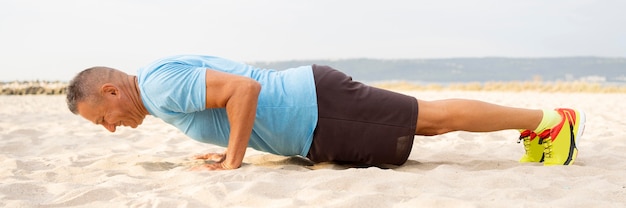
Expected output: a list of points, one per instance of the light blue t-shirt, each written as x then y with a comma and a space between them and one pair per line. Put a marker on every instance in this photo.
174, 90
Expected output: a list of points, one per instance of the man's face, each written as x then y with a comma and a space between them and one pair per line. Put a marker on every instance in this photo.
110, 112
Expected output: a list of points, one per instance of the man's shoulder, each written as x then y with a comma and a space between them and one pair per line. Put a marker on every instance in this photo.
158, 64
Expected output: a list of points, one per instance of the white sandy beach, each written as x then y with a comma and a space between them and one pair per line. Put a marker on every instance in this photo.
52, 158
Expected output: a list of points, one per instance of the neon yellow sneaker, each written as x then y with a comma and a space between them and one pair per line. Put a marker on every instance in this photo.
560, 143
532, 146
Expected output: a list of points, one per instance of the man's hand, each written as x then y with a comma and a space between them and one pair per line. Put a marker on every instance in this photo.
217, 158
212, 166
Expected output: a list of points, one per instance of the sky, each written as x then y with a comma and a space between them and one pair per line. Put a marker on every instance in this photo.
54, 40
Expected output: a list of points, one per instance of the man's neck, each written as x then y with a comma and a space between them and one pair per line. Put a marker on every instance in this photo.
135, 95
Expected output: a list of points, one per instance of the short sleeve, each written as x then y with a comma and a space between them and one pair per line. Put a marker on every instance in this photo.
175, 88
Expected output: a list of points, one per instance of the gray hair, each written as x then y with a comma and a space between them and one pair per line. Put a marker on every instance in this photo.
85, 85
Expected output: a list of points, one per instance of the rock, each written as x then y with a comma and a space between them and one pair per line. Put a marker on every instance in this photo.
33, 88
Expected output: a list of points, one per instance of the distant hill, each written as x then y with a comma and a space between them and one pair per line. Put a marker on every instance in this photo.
597, 69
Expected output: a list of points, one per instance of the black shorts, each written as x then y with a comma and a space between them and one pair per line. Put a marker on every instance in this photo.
360, 124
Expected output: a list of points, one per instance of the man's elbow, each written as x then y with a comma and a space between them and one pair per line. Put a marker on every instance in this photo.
252, 87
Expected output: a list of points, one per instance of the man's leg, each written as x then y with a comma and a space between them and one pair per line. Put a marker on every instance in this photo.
555, 132
442, 116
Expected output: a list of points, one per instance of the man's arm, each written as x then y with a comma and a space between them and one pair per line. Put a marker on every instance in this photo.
239, 95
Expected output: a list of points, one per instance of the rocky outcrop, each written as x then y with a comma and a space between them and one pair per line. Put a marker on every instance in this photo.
33, 88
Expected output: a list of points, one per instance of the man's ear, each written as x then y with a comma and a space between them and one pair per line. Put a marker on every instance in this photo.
109, 89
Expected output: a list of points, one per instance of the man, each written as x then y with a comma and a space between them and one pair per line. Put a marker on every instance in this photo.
312, 111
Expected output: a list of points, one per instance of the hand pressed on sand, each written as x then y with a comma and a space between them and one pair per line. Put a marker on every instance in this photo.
216, 158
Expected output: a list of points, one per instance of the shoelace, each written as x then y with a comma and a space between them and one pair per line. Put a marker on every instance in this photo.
546, 141
526, 136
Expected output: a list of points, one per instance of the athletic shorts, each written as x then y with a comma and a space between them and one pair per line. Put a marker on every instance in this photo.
360, 124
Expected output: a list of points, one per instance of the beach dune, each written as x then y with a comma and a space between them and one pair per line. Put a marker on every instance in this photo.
52, 158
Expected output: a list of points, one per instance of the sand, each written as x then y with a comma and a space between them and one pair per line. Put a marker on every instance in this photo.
52, 158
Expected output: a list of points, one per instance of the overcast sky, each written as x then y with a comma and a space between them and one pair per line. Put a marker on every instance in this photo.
53, 40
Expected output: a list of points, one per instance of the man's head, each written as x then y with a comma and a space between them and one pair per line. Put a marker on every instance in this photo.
106, 97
